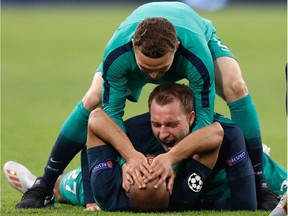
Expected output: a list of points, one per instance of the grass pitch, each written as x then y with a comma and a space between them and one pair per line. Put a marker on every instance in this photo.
50, 53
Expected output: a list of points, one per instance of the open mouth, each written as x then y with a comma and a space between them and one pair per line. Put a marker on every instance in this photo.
169, 144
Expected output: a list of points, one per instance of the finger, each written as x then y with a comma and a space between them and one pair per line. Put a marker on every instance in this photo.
153, 165
129, 179
139, 180
145, 168
92, 207
170, 184
155, 174
126, 186
159, 182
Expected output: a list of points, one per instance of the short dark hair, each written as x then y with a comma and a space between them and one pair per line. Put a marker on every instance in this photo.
155, 37
167, 93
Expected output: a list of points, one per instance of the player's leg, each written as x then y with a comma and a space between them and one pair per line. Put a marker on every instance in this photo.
105, 174
18, 176
22, 179
234, 157
70, 141
89, 201
281, 208
232, 88
275, 175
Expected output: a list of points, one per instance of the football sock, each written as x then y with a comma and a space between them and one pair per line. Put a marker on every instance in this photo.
243, 113
70, 141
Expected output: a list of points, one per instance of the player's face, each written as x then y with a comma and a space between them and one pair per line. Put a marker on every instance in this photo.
154, 68
169, 123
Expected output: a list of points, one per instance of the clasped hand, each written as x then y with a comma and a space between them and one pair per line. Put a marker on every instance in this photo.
137, 171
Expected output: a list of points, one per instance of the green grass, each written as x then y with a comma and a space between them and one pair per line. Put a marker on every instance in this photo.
49, 55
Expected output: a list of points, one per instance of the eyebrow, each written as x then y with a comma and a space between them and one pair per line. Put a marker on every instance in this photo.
165, 123
147, 69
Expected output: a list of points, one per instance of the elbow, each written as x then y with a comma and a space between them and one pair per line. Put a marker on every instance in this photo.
96, 113
219, 131
94, 117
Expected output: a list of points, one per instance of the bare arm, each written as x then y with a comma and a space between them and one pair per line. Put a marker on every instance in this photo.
203, 140
102, 130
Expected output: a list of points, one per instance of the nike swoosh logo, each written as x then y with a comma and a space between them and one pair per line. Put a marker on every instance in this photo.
48, 200
53, 161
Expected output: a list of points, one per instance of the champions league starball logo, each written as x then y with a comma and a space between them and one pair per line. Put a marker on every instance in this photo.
195, 182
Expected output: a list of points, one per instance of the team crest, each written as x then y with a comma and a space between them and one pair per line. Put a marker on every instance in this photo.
195, 182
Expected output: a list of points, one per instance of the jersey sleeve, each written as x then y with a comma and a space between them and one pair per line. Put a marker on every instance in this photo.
114, 97
116, 67
200, 75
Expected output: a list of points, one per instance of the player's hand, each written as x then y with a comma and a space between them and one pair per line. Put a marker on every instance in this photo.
162, 168
137, 167
127, 180
92, 207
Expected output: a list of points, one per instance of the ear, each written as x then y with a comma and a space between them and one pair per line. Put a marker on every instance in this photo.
177, 45
191, 118
132, 42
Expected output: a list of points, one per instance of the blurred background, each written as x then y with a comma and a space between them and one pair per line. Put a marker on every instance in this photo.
51, 48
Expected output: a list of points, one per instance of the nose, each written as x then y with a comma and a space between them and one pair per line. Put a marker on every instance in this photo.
163, 133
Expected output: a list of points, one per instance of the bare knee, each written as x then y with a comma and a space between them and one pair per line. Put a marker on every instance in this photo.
92, 100
93, 118
236, 90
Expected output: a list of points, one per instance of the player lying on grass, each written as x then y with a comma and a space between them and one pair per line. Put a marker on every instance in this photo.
143, 125
143, 139
172, 116
159, 42
69, 187
198, 152
146, 139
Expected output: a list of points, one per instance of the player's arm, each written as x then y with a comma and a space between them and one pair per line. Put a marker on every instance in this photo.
114, 90
200, 75
116, 66
104, 128
204, 140
201, 141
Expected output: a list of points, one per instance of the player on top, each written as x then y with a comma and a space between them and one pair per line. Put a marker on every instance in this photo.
160, 42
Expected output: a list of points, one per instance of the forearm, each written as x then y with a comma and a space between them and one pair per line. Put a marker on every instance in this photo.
108, 131
203, 140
